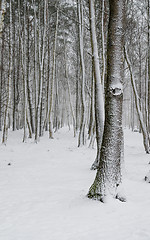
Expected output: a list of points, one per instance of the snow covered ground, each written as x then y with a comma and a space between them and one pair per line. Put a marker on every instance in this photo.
43, 191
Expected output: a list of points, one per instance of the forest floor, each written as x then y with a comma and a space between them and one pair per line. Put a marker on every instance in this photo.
43, 191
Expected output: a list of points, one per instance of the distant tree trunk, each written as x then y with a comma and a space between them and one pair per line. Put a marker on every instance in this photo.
24, 72
5, 126
137, 103
81, 138
69, 91
30, 104
1, 78
92, 102
99, 101
2, 12
77, 92
41, 54
109, 177
53, 78
103, 44
14, 72
35, 61
48, 85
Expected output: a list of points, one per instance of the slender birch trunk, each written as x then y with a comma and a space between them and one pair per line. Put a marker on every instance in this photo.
41, 54
53, 78
137, 103
5, 126
2, 13
1, 79
81, 138
24, 70
29, 98
103, 45
99, 100
69, 91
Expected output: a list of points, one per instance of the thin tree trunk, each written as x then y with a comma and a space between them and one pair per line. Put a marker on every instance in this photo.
81, 138
53, 78
137, 103
30, 104
99, 101
41, 66
5, 127
2, 13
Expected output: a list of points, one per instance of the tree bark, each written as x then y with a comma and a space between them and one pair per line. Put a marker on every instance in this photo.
81, 138
99, 101
53, 78
109, 176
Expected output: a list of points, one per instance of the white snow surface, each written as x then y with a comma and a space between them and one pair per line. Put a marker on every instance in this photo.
43, 191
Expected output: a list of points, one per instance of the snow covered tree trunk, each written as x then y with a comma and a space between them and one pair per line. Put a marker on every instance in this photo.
35, 61
5, 126
29, 91
109, 177
53, 78
103, 44
92, 109
48, 84
81, 138
137, 103
41, 54
148, 60
2, 12
1, 79
99, 101
69, 91
24, 71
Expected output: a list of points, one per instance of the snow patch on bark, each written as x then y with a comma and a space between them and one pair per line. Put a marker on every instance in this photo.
117, 89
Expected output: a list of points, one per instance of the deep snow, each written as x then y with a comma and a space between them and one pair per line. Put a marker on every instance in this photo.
43, 191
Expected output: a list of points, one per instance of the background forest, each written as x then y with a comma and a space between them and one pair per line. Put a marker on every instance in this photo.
70, 72
46, 84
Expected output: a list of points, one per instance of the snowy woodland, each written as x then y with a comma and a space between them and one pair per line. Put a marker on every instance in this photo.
74, 119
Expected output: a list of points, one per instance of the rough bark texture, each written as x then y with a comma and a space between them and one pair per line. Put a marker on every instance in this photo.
2, 12
109, 177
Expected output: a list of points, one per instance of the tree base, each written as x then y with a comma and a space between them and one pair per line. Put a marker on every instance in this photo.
103, 198
97, 197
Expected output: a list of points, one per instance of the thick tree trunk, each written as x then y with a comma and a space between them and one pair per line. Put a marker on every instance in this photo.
109, 177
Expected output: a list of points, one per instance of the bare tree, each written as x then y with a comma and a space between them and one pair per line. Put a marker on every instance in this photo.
109, 177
